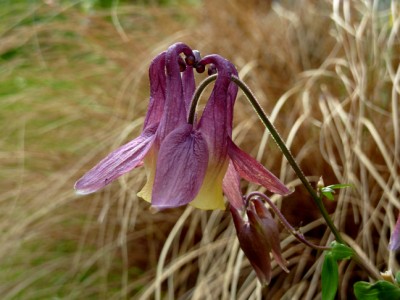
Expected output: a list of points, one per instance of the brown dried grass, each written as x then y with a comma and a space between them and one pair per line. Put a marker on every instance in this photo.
327, 74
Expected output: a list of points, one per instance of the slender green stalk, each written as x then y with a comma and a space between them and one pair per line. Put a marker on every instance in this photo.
318, 201
264, 118
275, 135
261, 114
196, 97
284, 222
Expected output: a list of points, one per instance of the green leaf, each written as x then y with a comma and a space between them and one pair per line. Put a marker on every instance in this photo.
381, 290
339, 186
329, 277
329, 190
340, 251
398, 277
327, 194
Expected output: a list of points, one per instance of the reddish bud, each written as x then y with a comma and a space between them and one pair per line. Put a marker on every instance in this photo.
257, 238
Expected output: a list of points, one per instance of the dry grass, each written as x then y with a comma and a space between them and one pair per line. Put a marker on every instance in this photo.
73, 86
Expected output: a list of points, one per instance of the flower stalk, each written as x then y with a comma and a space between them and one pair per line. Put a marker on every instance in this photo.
299, 236
275, 135
318, 201
196, 97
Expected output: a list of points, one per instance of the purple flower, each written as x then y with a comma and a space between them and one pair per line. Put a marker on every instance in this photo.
166, 94
258, 236
185, 163
394, 243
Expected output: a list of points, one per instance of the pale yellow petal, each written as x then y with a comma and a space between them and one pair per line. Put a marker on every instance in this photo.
150, 167
210, 196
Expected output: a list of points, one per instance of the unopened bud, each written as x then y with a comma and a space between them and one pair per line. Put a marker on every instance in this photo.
320, 183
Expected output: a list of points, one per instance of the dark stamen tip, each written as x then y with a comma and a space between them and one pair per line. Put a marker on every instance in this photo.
200, 68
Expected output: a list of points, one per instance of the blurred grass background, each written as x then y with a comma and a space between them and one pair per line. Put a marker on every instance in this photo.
73, 86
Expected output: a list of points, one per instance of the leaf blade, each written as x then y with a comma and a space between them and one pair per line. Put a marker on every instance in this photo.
329, 277
381, 290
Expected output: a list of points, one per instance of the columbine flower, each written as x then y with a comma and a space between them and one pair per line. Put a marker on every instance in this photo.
394, 243
258, 236
185, 162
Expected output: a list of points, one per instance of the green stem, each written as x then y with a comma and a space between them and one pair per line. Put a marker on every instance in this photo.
285, 222
318, 201
261, 114
196, 97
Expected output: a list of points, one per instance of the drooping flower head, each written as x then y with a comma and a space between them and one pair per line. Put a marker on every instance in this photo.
186, 162
198, 162
258, 236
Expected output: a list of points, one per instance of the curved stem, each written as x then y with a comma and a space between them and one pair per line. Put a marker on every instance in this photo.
261, 114
197, 95
318, 201
285, 222
275, 135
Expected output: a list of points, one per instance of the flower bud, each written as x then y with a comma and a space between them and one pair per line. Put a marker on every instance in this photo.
258, 236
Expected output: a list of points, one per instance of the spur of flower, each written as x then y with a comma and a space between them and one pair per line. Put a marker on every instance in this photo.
188, 160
